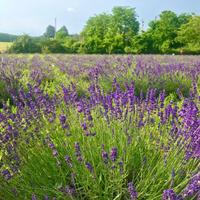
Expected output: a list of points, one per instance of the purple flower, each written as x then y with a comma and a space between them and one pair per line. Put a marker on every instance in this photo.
113, 154
78, 151
33, 197
193, 188
162, 98
68, 160
121, 167
89, 166
171, 195
6, 174
84, 126
46, 197
132, 191
62, 119
55, 153
70, 190
189, 114
51, 145
104, 156
80, 107
63, 122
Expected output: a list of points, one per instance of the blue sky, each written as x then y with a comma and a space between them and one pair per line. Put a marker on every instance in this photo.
32, 16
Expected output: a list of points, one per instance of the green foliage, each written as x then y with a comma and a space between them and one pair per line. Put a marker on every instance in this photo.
142, 84
25, 44
189, 33
142, 43
50, 32
93, 34
123, 27
52, 46
117, 33
4, 94
163, 31
62, 33
5, 37
71, 44
110, 33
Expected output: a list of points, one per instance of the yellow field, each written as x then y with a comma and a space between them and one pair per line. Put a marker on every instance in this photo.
4, 46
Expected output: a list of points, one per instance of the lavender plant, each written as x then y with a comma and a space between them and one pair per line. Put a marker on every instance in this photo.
112, 141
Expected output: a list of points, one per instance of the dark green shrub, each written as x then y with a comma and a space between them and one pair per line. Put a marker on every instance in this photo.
25, 44
52, 46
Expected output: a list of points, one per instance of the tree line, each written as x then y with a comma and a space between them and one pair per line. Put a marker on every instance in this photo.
119, 32
5, 37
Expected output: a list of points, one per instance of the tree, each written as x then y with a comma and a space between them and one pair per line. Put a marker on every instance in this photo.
72, 44
110, 33
52, 46
62, 33
189, 33
50, 32
163, 31
25, 44
93, 34
5, 37
122, 29
142, 43
184, 18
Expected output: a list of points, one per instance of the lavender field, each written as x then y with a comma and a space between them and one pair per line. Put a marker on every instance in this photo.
99, 127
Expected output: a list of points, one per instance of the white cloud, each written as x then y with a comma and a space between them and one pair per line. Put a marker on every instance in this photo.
71, 9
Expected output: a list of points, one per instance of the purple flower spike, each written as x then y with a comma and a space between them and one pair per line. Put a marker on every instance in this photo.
68, 160
121, 167
104, 155
113, 154
84, 126
6, 174
62, 119
171, 195
55, 153
78, 151
132, 191
193, 188
79, 107
33, 197
89, 166
70, 190
46, 197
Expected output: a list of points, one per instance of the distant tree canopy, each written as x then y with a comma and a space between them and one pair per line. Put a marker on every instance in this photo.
93, 34
25, 44
163, 31
50, 32
110, 33
189, 34
62, 33
119, 32
52, 46
4, 37
123, 27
